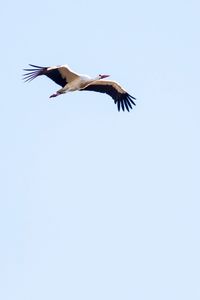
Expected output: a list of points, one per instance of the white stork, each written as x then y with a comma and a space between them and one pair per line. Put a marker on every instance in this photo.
71, 81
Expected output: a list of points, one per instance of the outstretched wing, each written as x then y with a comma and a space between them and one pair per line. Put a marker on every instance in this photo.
59, 74
113, 89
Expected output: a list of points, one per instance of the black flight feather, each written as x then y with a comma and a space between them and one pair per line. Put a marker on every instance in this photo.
53, 74
122, 99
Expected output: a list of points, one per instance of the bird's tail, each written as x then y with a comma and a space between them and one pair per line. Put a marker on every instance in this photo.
33, 73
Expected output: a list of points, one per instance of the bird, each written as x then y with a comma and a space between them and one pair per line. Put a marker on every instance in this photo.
71, 81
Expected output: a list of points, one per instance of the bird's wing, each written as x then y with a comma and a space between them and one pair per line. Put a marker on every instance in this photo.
113, 89
59, 74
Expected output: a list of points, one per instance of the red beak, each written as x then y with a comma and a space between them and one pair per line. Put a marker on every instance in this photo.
104, 76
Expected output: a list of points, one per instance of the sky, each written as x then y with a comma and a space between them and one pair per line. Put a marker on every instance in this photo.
96, 203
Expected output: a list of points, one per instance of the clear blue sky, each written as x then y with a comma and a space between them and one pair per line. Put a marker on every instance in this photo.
97, 204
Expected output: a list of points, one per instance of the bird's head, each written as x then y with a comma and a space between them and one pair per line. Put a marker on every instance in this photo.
102, 76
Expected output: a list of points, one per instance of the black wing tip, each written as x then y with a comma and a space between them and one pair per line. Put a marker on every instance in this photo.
34, 66
132, 97
32, 73
125, 102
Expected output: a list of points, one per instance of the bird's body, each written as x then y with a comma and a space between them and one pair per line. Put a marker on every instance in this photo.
71, 81
78, 83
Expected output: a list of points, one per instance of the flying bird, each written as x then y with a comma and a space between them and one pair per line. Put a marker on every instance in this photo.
71, 81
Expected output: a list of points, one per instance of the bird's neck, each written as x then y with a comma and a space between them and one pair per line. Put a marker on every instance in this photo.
96, 78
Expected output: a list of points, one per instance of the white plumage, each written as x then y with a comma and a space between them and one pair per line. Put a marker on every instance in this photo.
71, 81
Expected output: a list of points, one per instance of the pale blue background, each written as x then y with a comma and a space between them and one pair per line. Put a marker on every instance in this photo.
97, 204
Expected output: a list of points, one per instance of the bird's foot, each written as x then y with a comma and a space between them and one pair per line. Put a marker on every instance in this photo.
54, 95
